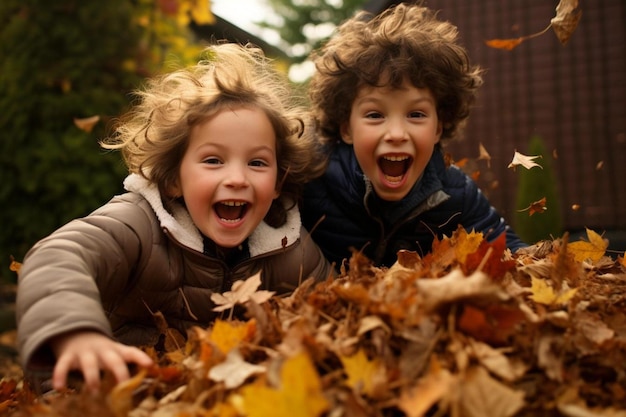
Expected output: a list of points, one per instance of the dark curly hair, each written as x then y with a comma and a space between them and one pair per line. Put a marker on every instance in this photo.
403, 42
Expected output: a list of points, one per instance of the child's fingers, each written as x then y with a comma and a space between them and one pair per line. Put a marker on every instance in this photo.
132, 354
91, 370
61, 369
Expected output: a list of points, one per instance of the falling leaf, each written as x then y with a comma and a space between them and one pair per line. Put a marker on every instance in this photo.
362, 373
599, 165
575, 207
234, 371
483, 154
526, 161
566, 20
507, 44
544, 294
299, 394
594, 249
15, 265
87, 124
241, 292
538, 206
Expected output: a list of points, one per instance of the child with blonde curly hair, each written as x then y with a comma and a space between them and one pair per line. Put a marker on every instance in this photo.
387, 92
217, 154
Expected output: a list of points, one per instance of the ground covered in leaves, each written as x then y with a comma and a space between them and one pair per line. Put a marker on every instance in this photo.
468, 330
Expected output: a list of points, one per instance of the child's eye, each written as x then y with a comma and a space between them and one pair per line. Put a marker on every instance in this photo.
373, 115
211, 161
258, 163
417, 114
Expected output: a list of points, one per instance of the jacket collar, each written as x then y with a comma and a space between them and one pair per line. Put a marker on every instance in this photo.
178, 223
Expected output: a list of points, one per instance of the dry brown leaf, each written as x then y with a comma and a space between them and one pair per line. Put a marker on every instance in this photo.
482, 395
483, 154
538, 206
234, 370
242, 291
437, 384
566, 20
527, 161
86, 124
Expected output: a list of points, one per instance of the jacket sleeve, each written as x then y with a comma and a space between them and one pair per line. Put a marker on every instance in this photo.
480, 215
68, 278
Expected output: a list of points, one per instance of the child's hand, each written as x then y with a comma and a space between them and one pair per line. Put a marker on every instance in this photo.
90, 352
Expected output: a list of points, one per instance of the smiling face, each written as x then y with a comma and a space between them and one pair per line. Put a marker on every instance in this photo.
393, 132
228, 174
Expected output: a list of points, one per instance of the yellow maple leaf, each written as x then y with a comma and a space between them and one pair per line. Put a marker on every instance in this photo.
542, 293
299, 395
466, 243
362, 373
593, 249
227, 335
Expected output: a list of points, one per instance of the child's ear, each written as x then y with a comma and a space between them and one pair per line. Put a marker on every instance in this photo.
346, 135
439, 130
173, 190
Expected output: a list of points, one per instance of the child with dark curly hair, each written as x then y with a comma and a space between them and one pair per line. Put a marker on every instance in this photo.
388, 91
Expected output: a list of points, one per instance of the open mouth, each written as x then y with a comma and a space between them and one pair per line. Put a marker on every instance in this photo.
230, 211
394, 167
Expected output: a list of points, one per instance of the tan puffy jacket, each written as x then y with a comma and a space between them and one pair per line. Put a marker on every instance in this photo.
130, 258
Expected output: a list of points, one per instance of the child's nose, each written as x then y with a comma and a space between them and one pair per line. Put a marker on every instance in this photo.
236, 177
396, 131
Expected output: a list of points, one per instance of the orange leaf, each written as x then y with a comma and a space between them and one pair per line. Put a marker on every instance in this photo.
15, 265
507, 44
492, 324
494, 266
227, 335
538, 206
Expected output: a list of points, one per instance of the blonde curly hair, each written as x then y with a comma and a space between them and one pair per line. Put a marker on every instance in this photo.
403, 42
153, 136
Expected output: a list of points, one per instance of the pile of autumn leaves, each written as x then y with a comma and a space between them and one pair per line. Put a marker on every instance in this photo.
468, 330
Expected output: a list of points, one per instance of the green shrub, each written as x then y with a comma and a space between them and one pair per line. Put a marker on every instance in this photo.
59, 60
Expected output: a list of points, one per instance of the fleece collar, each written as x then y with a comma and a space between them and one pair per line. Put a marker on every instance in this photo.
178, 223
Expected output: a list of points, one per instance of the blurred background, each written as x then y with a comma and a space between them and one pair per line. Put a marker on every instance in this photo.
68, 67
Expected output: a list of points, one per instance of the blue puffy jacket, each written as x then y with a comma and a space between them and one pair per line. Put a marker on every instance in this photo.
354, 216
